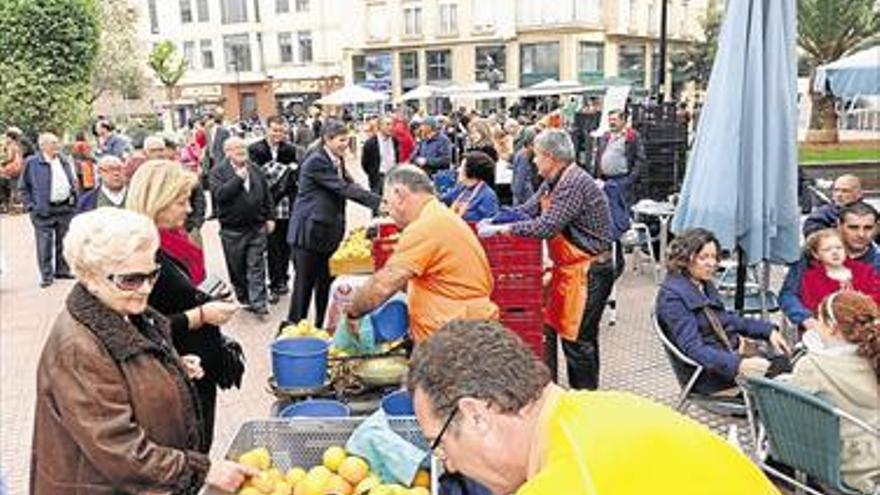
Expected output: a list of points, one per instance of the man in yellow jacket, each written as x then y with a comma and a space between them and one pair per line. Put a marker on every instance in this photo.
490, 411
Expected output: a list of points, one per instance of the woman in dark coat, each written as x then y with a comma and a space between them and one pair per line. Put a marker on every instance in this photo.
693, 316
161, 190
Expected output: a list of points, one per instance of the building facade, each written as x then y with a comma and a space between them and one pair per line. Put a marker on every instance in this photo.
249, 57
402, 44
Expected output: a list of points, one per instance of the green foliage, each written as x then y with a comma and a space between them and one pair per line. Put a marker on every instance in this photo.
119, 64
696, 62
166, 65
47, 53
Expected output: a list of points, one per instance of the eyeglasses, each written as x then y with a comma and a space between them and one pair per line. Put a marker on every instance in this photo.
436, 443
133, 281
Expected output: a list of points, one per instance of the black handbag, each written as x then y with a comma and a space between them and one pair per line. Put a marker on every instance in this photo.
232, 363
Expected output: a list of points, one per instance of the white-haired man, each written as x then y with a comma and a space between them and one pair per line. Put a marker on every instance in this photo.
111, 192
48, 190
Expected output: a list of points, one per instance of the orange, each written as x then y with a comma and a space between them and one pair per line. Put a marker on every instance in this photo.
336, 485
354, 469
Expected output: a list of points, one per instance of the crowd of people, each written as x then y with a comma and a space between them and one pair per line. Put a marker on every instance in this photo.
137, 356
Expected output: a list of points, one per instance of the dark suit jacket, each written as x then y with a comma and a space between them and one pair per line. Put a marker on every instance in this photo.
216, 146
317, 222
236, 208
371, 158
286, 185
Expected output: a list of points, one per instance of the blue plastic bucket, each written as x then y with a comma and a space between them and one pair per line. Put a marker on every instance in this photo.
299, 363
390, 321
316, 408
398, 403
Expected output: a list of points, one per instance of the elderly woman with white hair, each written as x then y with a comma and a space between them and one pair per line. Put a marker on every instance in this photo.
113, 186
116, 411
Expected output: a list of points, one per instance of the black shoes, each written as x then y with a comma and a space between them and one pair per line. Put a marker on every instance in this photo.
46, 283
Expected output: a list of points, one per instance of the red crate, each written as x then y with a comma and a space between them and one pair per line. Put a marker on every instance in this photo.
521, 289
528, 324
382, 250
511, 253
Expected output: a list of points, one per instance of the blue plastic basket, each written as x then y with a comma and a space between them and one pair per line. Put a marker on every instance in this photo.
390, 321
299, 363
316, 408
398, 403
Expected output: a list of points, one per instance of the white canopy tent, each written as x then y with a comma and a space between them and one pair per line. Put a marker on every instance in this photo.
550, 87
421, 92
351, 95
857, 74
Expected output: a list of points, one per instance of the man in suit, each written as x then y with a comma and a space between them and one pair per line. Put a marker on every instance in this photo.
48, 192
276, 158
379, 154
247, 217
317, 222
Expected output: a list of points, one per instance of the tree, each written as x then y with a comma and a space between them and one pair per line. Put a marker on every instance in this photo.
828, 30
696, 62
168, 69
119, 64
47, 53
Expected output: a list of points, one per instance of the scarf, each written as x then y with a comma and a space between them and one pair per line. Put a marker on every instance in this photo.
177, 244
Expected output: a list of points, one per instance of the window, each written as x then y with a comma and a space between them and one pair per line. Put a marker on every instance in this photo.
590, 63
538, 61
237, 48
302, 5
282, 6
588, 10
154, 18
537, 12
285, 48
304, 39
489, 58
359, 68
202, 10
623, 14
484, 15
631, 63
207, 54
653, 18
186, 12
409, 70
189, 54
439, 65
233, 11
377, 18
448, 18
412, 21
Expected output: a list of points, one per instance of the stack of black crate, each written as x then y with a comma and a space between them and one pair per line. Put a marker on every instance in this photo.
665, 137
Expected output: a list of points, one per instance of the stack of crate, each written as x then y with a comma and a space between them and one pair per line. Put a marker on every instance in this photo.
665, 138
517, 267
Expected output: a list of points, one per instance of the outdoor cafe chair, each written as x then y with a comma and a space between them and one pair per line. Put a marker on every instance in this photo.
800, 430
687, 372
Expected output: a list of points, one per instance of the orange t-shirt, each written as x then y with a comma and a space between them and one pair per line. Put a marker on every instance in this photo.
451, 273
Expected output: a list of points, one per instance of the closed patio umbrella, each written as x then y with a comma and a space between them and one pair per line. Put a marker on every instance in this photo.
741, 179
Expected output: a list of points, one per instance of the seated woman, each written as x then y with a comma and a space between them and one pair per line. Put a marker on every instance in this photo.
831, 270
843, 363
473, 197
690, 310
116, 411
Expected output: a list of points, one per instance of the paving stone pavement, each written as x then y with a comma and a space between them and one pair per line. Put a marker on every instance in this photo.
632, 359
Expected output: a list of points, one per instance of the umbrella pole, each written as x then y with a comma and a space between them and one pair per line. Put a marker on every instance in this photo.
740, 295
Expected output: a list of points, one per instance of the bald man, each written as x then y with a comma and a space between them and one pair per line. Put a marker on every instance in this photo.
847, 189
114, 185
48, 190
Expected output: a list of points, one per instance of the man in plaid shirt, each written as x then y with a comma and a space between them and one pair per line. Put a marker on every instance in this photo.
276, 158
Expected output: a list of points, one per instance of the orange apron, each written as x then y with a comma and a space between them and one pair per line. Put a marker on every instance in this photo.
567, 297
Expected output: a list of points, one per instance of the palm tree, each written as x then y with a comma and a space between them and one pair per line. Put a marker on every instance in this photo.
169, 69
828, 30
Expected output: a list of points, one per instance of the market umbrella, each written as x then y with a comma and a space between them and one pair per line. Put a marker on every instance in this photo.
352, 94
741, 179
857, 74
550, 87
420, 93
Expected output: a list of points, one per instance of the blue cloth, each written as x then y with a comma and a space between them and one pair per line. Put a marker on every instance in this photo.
524, 177
364, 343
823, 217
618, 208
680, 310
483, 204
789, 295
741, 178
115, 145
390, 456
507, 215
437, 151
36, 183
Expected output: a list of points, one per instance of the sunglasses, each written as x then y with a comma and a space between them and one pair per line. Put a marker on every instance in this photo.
133, 281
436, 443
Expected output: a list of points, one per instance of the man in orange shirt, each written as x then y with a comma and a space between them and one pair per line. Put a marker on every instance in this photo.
438, 259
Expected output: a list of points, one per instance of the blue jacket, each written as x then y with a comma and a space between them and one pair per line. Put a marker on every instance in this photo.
618, 208
483, 205
437, 151
525, 178
680, 311
36, 183
789, 295
823, 217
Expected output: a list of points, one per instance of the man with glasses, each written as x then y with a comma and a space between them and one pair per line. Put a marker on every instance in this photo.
489, 410
114, 185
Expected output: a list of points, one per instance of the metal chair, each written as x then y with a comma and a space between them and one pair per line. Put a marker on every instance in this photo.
799, 430
638, 235
687, 372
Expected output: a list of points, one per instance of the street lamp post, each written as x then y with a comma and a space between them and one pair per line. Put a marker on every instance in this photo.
661, 76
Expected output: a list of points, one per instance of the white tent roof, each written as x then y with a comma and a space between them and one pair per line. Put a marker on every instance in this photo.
857, 74
551, 86
421, 92
350, 95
